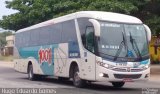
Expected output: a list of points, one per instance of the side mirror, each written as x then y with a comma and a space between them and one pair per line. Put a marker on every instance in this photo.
96, 26
148, 32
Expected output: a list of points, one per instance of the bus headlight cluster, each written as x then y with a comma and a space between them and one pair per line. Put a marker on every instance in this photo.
145, 66
105, 65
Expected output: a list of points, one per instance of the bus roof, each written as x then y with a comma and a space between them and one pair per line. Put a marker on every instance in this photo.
100, 15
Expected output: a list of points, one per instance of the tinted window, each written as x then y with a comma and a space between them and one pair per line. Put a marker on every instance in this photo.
90, 38
44, 36
83, 23
26, 36
55, 33
69, 31
34, 37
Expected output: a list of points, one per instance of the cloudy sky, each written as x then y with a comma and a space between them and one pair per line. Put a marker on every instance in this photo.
4, 10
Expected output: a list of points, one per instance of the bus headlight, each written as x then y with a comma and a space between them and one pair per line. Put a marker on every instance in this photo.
105, 65
145, 66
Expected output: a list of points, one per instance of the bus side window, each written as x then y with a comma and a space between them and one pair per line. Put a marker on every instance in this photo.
90, 38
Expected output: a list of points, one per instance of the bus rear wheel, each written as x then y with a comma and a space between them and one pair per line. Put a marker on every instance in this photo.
118, 84
77, 81
31, 75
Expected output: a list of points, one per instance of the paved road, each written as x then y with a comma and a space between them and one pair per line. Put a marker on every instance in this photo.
12, 79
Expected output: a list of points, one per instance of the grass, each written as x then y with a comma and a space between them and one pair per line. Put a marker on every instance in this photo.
6, 58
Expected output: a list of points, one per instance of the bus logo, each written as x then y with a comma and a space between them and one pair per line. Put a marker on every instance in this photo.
128, 69
45, 55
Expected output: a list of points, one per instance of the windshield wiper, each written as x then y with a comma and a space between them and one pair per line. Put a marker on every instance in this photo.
123, 43
135, 48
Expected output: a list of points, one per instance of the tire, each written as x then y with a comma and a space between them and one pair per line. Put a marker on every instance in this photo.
31, 75
118, 84
77, 81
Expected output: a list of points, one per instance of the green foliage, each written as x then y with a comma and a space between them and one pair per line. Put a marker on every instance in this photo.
154, 23
151, 14
35, 11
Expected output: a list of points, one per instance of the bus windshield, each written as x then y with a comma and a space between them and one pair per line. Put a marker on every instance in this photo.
122, 41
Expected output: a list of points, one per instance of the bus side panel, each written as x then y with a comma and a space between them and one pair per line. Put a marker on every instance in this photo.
65, 54
68, 50
41, 57
19, 63
60, 60
16, 57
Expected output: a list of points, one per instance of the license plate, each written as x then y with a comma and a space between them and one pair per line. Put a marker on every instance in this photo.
121, 64
128, 80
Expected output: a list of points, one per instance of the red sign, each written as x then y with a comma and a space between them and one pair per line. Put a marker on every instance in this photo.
45, 55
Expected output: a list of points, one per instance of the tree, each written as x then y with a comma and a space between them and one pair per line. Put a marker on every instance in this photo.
35, 11
152, 15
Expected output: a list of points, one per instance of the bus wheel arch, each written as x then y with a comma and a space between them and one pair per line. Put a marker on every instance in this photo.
74, 73
71, 69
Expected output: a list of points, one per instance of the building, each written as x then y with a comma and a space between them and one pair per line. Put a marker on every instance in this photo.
8, 49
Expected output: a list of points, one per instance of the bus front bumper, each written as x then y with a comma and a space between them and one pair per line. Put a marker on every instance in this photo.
104, 74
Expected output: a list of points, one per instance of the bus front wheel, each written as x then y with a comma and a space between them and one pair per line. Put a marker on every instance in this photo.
77, 81
118, 84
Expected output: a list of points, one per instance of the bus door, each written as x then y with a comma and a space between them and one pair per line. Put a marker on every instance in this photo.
88, 59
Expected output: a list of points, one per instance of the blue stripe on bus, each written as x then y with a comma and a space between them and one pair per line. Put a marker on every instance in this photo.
48, 69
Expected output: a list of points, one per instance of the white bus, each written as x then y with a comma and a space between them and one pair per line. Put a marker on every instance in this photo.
85, 46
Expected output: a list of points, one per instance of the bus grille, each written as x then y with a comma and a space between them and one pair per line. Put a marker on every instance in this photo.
125, 69
120, 69
136, 70
132, 76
